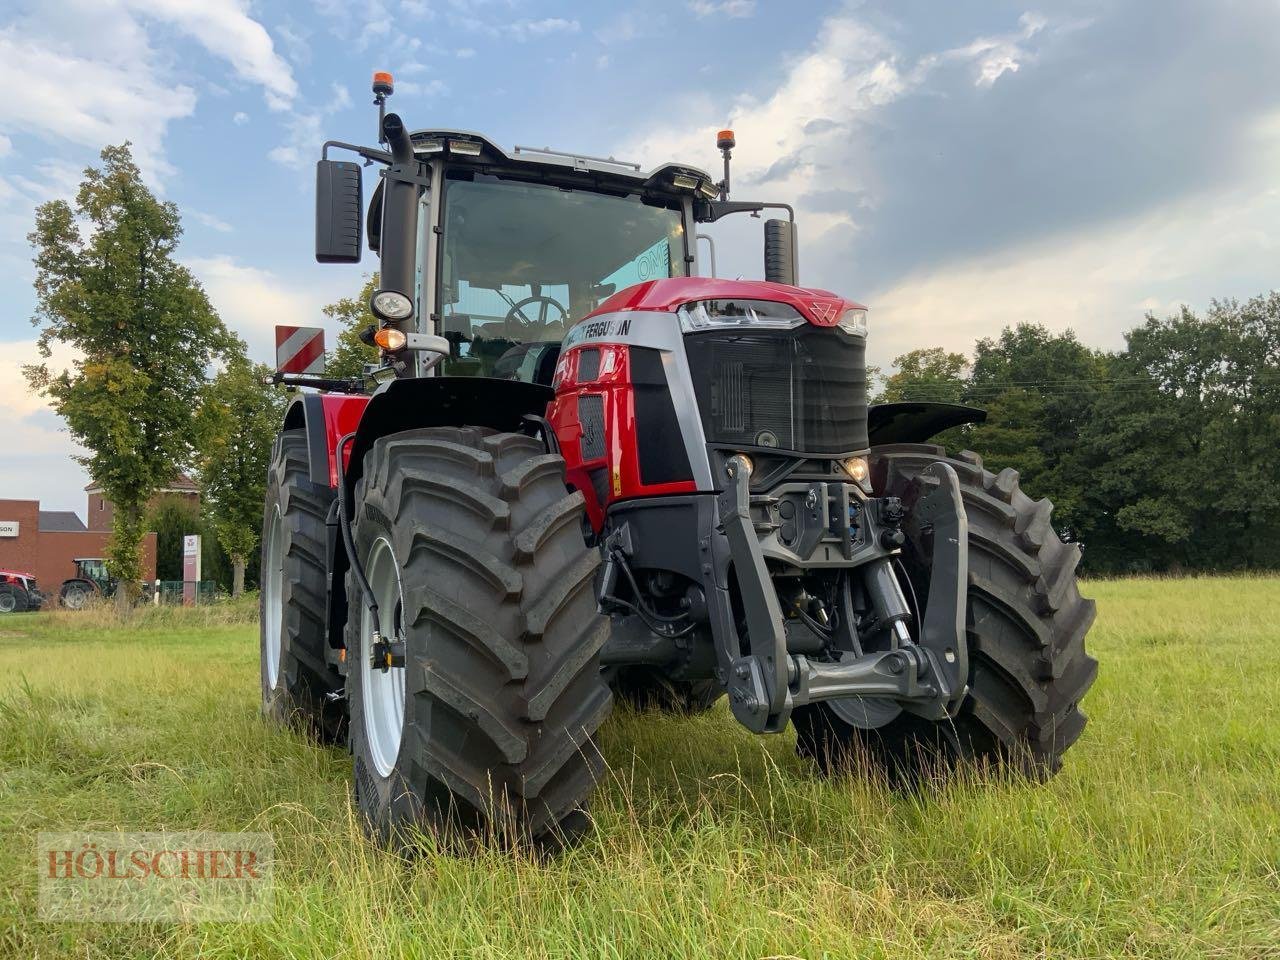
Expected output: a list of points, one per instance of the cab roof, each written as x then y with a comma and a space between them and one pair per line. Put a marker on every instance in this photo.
545, 160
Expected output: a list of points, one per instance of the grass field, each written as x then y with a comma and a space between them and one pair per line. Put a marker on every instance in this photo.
1160, 838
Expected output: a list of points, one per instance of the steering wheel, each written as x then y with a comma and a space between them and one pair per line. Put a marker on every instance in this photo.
518, 324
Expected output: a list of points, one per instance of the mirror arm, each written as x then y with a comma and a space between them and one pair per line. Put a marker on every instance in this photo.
712, 210
369, 153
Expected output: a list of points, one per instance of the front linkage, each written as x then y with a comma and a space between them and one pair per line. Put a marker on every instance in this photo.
926, 675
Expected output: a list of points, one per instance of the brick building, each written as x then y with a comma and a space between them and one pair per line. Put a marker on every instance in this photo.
47, 543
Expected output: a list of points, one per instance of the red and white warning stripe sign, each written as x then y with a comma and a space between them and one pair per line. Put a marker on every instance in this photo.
300, 350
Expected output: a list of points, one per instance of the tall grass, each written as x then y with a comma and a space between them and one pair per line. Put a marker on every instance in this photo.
1160, 838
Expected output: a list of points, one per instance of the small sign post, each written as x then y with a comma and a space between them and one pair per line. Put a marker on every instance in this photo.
300, 350
190, 569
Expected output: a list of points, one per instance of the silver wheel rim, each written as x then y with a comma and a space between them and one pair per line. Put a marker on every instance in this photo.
272, 600
8, 603
382, 690
75, 598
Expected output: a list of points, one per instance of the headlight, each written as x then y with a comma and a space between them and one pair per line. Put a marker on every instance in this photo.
854, 321
710, 314
391, 305
858, 470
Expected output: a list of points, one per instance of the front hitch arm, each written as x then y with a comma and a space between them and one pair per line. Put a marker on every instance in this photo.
757, 685
941, 515
928, 677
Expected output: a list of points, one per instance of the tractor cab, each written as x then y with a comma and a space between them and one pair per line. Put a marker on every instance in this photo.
513, 248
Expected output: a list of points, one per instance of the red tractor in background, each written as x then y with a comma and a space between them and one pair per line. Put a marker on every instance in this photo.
19, 592
586, 469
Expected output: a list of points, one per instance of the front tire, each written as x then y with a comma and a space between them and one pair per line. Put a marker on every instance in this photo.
473, 547
13, 599
1026, 623
299, 687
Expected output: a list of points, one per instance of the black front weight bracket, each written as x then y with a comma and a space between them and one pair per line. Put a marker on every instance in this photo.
928, 677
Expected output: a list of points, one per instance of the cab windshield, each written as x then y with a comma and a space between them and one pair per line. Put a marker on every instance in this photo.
521, 263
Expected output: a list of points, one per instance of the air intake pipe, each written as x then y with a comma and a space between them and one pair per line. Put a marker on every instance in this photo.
399, 215
780, 252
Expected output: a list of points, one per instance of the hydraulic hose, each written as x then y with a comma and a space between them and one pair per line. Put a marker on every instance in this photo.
344, 524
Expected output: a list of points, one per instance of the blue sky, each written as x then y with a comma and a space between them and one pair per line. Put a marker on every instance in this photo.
958, 165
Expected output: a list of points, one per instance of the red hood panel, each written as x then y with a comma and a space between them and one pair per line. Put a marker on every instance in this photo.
820, 307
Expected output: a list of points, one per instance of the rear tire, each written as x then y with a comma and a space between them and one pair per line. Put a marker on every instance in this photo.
77, 594
1028, 669
299, 687
501, 692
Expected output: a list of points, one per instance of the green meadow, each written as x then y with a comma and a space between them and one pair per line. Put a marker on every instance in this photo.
1160, 838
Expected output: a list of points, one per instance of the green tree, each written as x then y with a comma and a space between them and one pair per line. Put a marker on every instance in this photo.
1182, 443
351, 353
928, 374
235, 428
1038, 389
107, 285
933, 374
172, 518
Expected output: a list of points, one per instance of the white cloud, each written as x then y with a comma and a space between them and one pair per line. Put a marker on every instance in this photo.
99, 101
208, 220
225, 29
37, 464
305, 131
6, 145
295, 44
432, 88
1099, 281
341, 98
813, 140
465, 53
252, 301
240, 118
996, 55
723, 8
541, 28
109, 83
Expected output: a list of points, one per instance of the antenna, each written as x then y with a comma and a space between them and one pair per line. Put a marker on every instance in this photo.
725, 142
383, 86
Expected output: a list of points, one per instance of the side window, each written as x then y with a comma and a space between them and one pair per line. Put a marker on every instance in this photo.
653, 263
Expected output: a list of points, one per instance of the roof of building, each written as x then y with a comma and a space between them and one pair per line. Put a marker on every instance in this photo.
61, 521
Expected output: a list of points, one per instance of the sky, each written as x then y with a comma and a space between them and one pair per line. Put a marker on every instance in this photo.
957, 166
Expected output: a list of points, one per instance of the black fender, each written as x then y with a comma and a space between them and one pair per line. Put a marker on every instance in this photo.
915, 421
397, 405
414, 403
419, 402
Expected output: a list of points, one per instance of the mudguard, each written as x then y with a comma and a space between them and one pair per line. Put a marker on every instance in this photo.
406, 405
917, 421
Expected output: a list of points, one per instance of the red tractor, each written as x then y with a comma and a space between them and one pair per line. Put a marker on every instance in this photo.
19, 593
584, 469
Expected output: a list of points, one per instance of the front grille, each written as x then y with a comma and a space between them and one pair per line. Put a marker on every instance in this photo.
591, 416
802, 390
588, 364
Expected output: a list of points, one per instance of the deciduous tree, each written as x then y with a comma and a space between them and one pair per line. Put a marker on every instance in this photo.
236, 426
351, 353
108, 286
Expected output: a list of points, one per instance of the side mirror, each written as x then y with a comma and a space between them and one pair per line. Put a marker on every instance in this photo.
339, 204
780, 251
